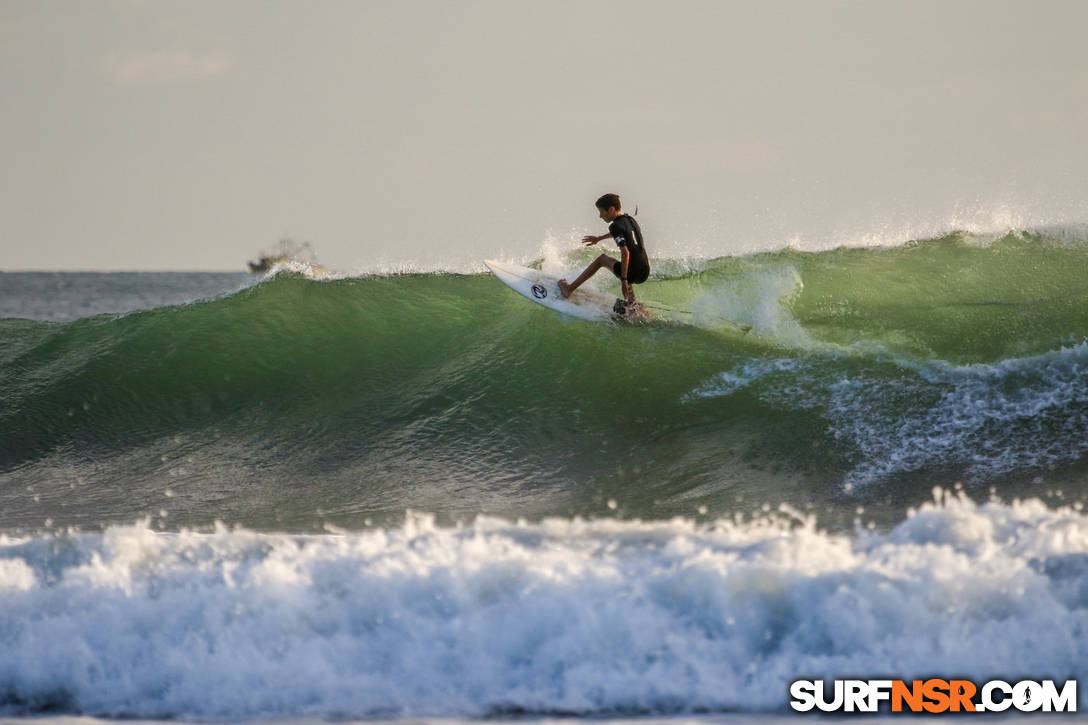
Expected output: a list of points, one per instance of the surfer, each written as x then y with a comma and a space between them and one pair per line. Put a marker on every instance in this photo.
632, 268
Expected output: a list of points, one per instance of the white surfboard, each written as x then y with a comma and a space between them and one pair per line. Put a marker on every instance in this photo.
586, 303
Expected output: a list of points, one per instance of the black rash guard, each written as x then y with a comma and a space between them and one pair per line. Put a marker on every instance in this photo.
625, 230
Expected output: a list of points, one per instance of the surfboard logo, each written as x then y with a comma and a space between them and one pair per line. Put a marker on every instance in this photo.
539, 292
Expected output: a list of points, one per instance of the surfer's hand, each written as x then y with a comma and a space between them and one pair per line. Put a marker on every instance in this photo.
589, 240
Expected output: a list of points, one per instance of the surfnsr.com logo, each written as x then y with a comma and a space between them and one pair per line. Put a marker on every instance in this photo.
933, 696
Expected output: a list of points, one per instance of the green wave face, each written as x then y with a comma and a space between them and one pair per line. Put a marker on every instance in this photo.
814, 378
950, 298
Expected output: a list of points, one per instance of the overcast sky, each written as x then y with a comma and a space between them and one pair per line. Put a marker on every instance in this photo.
189, 135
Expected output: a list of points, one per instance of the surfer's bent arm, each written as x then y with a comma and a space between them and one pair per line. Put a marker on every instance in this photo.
625, 286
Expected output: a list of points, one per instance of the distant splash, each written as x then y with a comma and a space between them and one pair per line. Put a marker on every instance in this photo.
566, 616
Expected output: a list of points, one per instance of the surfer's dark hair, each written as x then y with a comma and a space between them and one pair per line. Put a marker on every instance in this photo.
608, 201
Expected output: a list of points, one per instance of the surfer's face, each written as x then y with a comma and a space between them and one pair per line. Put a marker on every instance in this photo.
609, 215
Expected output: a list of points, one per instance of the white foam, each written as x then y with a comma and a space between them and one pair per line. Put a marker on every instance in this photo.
982, 419
565, 615
726, 383
1020, 413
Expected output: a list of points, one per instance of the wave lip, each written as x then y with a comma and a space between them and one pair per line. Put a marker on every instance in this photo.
564, 616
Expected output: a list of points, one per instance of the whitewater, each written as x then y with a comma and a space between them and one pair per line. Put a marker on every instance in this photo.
401, 494
564, 616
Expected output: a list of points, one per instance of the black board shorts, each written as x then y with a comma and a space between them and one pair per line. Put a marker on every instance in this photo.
638, 271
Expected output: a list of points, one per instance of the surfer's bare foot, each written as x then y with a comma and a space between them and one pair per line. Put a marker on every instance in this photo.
564, 288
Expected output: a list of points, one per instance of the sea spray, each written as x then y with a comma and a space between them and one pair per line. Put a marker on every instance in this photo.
567, 616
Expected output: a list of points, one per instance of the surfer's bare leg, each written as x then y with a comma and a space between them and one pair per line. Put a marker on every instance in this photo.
567, 288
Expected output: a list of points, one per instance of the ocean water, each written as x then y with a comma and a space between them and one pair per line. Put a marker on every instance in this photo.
417, 495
